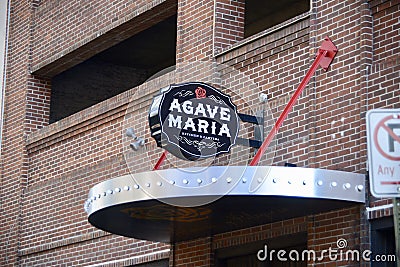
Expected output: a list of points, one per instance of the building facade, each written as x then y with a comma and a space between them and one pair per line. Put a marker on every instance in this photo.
78, 74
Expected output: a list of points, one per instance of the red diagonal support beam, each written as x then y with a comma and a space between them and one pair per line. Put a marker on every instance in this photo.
160, 160
324, 58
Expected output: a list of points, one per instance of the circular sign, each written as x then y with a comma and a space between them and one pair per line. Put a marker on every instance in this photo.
381, 126
194, 121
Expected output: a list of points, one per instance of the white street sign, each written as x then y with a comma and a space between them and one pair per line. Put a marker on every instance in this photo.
383, 141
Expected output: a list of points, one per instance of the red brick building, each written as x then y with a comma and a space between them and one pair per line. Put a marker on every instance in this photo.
79, 73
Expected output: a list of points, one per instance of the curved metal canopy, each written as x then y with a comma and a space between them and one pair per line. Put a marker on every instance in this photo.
181, 204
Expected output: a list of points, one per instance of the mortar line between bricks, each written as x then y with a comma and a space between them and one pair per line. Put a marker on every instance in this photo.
62, 243
52, 139
162, 254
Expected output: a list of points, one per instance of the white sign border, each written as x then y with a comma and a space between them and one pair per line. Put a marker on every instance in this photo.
370, 133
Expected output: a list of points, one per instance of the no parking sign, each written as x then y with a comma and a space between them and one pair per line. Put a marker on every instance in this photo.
383, 141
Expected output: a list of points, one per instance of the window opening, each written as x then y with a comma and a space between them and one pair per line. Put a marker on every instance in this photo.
261, 15
115, 70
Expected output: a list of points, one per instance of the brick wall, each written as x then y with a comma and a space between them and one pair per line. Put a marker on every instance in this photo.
66, 159
229, 23
95, 249
46, 175
327, 127
193, 253
327, 231
65, 33
62, 24
338, 93
194, 44
383, 74
38, 103
13, 158
260, 233
323, 231
275, 64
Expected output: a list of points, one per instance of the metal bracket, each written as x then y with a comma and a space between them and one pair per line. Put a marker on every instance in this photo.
258, 122
330, 47
251, 119
248, 142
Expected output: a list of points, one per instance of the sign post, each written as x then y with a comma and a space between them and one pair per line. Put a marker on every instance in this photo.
383, 135
396, 222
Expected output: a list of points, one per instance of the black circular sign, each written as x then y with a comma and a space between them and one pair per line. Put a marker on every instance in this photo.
194, 121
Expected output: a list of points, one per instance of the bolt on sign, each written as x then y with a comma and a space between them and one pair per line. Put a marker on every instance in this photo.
383, 141
193, 121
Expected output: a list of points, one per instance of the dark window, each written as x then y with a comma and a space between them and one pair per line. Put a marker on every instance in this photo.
115, 70
261, 15
382, 241
246, 255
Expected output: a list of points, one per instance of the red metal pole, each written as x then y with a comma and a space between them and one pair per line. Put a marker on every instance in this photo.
292, 101
160, 160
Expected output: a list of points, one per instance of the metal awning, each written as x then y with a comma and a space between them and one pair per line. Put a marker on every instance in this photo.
182, 204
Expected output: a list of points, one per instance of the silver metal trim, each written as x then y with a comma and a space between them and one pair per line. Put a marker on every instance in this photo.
227, 181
